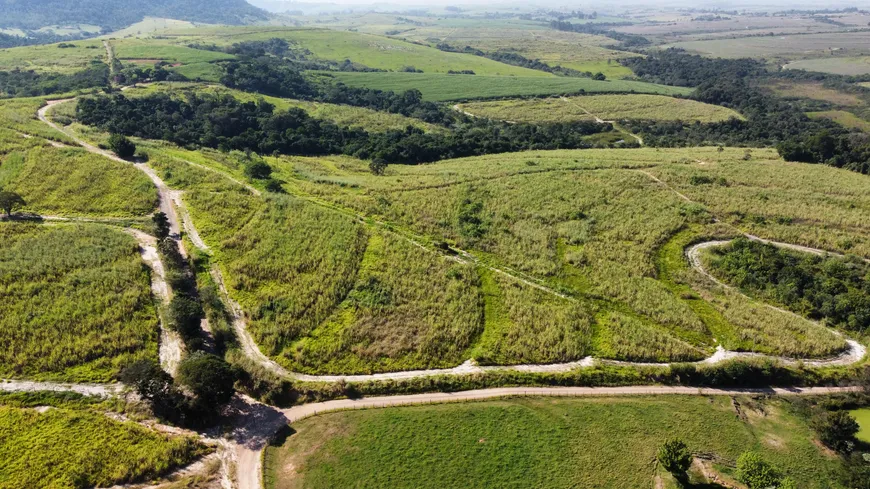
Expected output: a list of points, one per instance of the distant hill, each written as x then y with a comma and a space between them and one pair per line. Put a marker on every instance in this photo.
117, 14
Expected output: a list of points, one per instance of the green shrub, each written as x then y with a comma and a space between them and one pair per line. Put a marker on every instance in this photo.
122, 146
675, 457
755, 472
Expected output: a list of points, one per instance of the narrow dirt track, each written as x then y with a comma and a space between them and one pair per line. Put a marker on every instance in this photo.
256, 423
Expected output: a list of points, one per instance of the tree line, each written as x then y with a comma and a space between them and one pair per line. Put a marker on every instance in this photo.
516, 59
223, 122
602, 29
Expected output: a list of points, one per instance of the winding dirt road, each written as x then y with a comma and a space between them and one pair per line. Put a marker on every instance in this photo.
256, 423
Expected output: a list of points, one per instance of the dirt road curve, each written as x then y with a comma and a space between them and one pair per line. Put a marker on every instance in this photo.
253, 437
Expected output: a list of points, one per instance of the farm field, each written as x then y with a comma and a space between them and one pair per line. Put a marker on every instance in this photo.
845, 119
70, 446
789, 45
598, 242
837, 66
863, 418
93, 297
137, 49
607, 107
372, 51
816, 91
439, 88
73, 182
582, 52
51, 58
554, 443
150, 26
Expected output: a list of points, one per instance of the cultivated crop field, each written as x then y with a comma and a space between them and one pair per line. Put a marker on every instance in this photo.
557, 443
92, 294
816, 91
607, 107
372, 51
326, 303
135, 49
845, 119
51, 58
838, 66
787, 45
438, 87
68, 445
73, 182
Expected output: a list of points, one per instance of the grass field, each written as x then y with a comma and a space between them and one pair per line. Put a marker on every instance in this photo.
135, 49
77, 302
779, 46
439, 87
150, 26
859, 65
607, 107
73, 182
845, 119
816, 91
585, 223
65, 448
50, 58
553, 443
373, 51
863, 418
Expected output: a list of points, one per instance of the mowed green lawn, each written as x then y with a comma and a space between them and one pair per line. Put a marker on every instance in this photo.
440, 87
546, 442
863, 418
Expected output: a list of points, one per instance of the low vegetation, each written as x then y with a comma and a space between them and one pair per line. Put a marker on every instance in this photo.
93, 297
438, 87
71, 181
68, 448
502, 444
607, 107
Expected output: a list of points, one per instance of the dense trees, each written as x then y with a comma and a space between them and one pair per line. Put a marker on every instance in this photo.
221, 121
208, 377
834, 289
770, 121
20, 83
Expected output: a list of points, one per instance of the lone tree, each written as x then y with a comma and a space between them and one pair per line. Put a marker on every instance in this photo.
837, 430
675, 457
9, 201
122, 146
161, 225
209, 378
258, 170
378, 166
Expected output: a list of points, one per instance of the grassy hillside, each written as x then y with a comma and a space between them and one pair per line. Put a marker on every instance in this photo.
607, 107
65, 448
553, 443
77, 302
372, 51
593, 225
51, 58
845, 119
438, 87
71, 181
